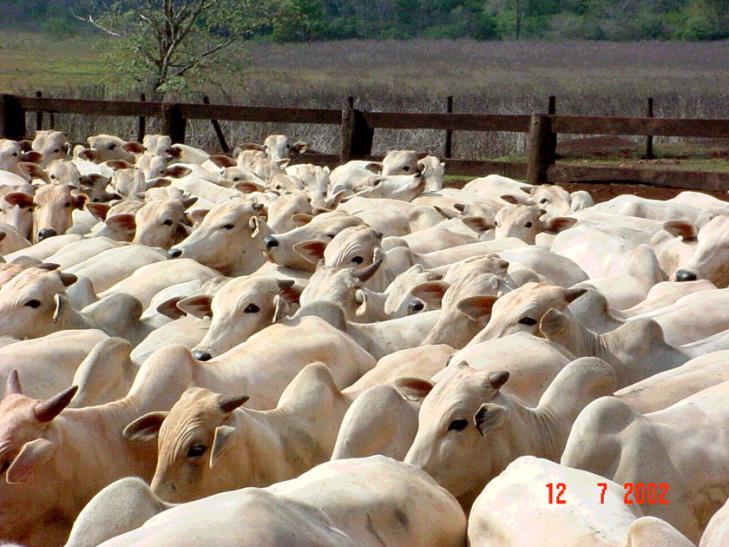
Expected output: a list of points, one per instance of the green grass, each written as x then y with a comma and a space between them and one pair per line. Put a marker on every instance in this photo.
34, 61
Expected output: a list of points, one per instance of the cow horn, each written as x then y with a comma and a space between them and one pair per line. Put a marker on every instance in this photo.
229, 404
363, 274
46, 410
12, 385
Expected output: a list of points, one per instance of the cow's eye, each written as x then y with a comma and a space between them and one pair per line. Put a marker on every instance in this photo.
15, 154
236, 179
416, 305
358, 260
529, 321
33, 303
53, 177
67, 204
457, 425
251, 308
56, 151
228, 226
196, 451
167, 222
528, 225
406, 168
330, 236
112, 146
544, 200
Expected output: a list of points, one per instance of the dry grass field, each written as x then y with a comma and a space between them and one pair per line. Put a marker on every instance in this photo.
598, 78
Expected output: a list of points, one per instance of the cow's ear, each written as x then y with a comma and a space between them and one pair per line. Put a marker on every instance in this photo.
133, 147
196, 216
88, 154
476, 307
300, 147
33, 454
177, 171
477, 224
146, 427
99, 210
32, 157
553, 323
312, 250
682, 229
300, 219
169, 308
21, 199
222, 161
79, 200
571, 295
248, 187
489, 416
198, 306
430, 292
558, 224
221, 443
413, 389
290, 291
124, 222
119, 164
33, 171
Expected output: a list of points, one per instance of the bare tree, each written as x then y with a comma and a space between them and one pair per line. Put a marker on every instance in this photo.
163, 45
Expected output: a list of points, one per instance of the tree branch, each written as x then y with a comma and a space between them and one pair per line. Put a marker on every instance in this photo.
90, 19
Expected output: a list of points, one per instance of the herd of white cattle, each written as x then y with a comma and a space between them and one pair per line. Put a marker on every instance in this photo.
234, 350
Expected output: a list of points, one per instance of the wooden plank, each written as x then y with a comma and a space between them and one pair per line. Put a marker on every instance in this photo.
459, 122
97, 108
261, 114
665, 127
693, 180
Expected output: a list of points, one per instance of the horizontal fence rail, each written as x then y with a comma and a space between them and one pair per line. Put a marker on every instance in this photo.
357, 131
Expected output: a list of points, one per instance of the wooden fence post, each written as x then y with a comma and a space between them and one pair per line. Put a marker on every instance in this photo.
218, 131
357, 135
39, 114
449, 132
649, 139
142, 122
173, 124
12, 118
552, 139
539, 156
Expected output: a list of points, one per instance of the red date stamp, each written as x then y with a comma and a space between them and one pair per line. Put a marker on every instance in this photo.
638, 493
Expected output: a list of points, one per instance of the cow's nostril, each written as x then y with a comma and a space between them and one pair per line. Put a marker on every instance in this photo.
270, 242
45, 233
175, 253
202, 355
685, 275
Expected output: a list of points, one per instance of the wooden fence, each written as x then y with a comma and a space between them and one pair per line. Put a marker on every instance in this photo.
358, 129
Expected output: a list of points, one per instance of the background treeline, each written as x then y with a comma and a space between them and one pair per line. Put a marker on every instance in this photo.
315, 20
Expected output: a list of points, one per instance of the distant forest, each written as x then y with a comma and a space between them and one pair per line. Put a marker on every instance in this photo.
310, 20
